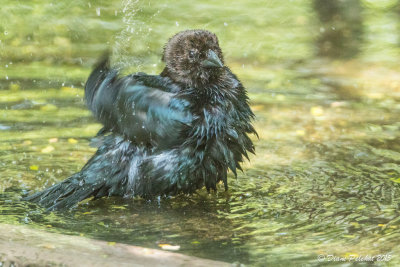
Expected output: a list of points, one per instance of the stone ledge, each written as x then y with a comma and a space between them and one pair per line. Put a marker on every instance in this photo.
23, 246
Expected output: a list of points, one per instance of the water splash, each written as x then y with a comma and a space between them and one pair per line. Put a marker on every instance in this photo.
134, 36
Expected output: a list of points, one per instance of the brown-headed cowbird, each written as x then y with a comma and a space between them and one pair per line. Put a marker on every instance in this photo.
163, 134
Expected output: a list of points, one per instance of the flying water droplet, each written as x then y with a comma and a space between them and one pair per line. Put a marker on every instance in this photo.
133, 108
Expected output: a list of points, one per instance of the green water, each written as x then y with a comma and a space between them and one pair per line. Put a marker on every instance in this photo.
324, 83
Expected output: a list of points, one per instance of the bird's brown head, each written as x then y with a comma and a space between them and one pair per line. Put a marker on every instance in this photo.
193, 57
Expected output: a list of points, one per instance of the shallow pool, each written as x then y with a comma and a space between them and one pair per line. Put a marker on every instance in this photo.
325, 90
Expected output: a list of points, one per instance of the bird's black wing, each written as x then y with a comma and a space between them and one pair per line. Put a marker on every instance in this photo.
144, 108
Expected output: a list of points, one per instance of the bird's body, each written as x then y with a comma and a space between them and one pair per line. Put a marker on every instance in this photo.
163, 134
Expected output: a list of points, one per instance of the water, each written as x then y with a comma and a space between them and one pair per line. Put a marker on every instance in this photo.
324, 83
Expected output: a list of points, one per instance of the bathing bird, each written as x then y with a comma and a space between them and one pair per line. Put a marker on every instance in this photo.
164, 134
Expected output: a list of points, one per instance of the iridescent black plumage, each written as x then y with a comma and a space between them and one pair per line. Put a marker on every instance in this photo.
163, 134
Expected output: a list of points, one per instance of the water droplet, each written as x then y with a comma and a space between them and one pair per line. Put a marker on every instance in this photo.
133, 108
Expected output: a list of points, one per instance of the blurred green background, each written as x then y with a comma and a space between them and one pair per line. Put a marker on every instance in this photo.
323, 79
36, 35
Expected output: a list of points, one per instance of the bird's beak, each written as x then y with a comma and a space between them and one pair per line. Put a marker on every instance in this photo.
212, 60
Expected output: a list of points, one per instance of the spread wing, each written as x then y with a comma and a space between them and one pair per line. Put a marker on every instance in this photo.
144, 108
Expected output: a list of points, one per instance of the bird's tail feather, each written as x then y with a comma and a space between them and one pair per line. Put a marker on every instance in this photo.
105, 174
66, 194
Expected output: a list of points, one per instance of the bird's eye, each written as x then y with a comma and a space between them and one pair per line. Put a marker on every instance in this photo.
192, 54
